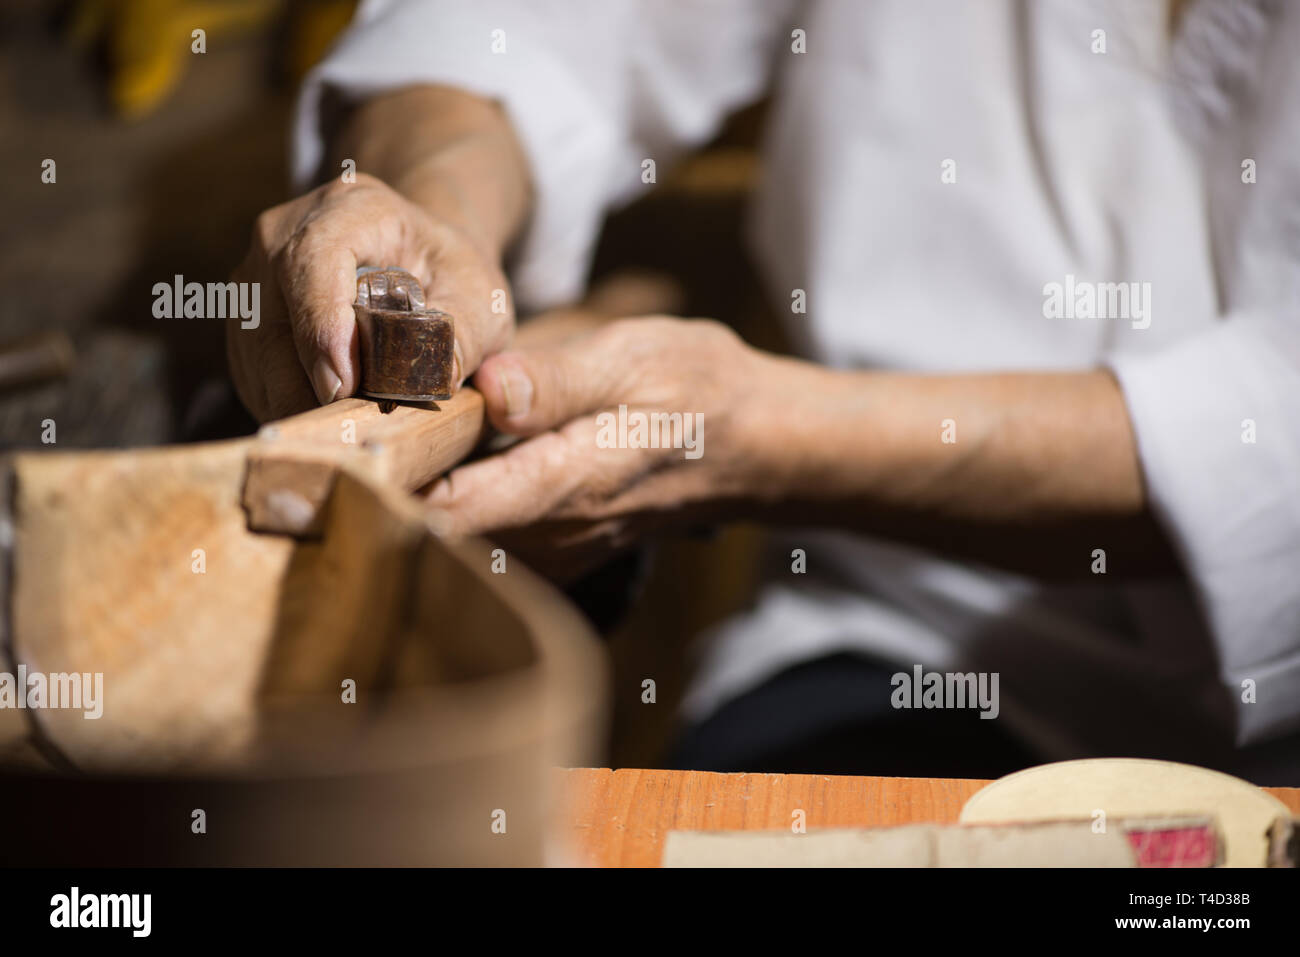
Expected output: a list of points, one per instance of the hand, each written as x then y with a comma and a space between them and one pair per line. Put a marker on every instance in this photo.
305, 254
589, 480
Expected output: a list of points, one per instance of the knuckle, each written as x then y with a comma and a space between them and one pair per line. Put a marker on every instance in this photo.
368, 180
299, 247
266, 228
334, 188
365, 188
714, 331
281, 261
299, 238
622, 332
635, 340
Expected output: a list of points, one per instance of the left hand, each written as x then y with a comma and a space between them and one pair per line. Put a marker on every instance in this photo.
588, 481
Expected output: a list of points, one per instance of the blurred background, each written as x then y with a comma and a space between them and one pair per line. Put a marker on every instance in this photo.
164, 157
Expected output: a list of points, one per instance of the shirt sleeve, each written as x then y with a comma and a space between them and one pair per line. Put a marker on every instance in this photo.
1217, 419
592, 87
1217, 416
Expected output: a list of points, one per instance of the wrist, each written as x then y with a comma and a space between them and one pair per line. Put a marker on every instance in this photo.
440, 197
773, 424
451, 153
816, 436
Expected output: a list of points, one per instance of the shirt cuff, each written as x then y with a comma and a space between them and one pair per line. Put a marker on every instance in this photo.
1217, 421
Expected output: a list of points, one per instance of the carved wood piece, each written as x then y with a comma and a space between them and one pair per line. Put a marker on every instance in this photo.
293, 463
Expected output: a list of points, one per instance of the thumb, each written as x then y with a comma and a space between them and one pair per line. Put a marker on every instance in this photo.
531, 391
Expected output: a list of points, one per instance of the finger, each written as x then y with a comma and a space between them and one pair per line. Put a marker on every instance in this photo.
241, 347
286, 386
536, 479
509, 490
263, 358
531, 391
318, 278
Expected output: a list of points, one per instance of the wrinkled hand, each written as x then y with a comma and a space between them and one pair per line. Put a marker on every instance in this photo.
587, 481
305, 254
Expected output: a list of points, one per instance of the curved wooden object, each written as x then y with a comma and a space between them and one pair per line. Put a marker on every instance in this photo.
225, 652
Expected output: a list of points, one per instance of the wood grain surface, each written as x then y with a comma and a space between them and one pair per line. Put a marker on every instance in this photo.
293, 462
139, 564
620, 818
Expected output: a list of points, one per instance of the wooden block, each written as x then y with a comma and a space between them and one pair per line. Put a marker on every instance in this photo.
293, 463
140, 565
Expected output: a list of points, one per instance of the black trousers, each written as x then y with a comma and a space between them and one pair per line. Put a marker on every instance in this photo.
833, 715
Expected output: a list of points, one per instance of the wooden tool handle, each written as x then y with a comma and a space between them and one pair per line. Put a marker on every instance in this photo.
293, 463
407, 350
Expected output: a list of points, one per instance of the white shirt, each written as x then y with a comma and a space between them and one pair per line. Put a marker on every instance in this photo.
1117, 166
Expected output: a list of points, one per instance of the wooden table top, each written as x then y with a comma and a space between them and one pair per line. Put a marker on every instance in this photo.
620, 818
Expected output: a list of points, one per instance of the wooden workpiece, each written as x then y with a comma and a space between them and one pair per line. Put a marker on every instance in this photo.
293, 463
141, 564
315, 696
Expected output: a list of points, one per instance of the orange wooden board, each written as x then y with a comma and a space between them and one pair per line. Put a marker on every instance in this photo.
620, 818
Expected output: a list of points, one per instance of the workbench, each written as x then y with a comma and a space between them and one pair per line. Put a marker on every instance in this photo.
620, 818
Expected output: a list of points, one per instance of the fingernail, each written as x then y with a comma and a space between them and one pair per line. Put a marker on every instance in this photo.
518, 392
325, 381
456, 364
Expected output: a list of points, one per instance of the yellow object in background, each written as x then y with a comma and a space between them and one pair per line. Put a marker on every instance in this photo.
150, 42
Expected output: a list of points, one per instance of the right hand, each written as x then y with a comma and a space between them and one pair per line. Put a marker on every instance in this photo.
305, 254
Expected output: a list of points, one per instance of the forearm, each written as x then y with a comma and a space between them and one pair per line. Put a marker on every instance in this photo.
448, 151
1026, 471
